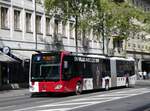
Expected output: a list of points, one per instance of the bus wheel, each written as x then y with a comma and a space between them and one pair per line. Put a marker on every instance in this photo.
127, 83
78, 88
107, 85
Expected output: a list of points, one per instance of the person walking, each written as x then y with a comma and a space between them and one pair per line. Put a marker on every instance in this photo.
140, 75
144, 74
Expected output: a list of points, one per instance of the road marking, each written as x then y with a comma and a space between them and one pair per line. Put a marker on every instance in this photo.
61, 109
66, 104
87, 101
7, 107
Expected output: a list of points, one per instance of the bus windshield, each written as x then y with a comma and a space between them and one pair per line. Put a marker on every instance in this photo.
45, 67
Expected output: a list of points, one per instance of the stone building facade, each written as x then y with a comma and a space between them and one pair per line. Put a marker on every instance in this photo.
25, 29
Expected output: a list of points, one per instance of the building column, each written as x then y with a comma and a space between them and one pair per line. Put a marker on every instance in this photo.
34, 24
23, 20
140, 64
11, 20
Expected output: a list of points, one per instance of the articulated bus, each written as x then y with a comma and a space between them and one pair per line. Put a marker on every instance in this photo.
62, 72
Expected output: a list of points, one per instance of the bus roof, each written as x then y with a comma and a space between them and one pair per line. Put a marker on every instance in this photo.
125, 59
89, 55
97, 56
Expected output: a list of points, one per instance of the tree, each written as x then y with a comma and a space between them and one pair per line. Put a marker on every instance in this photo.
78, 9
104, 16
117, 17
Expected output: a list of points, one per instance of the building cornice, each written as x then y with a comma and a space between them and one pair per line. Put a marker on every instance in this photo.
135, 52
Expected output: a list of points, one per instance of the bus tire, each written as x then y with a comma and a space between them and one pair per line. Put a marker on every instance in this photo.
127, 83
106, 85
78, 90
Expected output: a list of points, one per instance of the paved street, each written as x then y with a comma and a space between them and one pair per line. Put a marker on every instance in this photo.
124, 99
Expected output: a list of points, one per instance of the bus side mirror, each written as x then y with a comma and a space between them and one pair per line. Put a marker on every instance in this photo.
65, 64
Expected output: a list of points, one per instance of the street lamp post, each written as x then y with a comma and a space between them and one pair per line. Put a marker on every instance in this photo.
76, 33
103, 35
102, 28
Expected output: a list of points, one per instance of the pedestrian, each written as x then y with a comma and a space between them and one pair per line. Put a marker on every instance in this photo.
144, 74
140, 75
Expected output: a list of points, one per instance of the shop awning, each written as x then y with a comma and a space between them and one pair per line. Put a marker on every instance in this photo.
6, 58
23, 55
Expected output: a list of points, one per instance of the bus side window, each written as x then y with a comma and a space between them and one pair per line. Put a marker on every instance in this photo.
65, 64
87, 70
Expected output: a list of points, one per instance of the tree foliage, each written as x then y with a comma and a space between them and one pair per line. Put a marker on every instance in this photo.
109, 16
118, 17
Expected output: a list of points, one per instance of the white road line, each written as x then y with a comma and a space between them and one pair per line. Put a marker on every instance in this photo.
2, 108
88, 101
62, 109
67, 104
93, 98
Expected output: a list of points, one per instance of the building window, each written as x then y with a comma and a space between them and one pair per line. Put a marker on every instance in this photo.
79, 34
64, 28
56, 26
28, 22
134, 45
71, 30
129, 44
16, 20
133, 1
137, 3
38, 1
48, 26
139, 46
117, 43
94, 36
4, 17
38, 24
88, 34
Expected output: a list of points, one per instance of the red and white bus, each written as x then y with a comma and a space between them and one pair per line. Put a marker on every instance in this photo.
64, 72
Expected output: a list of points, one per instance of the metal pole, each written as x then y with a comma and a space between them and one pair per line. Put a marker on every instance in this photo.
103, 35
76, 33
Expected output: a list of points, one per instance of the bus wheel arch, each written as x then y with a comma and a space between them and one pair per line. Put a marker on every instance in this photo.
78, 89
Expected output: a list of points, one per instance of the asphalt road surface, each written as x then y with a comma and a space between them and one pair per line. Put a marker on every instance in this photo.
122, 99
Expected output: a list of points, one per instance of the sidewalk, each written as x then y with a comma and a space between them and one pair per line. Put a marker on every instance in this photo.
13, 93
143, 82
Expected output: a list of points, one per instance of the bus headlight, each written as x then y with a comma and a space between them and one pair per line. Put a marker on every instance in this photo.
59, 86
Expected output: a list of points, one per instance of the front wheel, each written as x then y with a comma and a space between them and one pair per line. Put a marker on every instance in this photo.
106, 86
78, 88
127, 83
